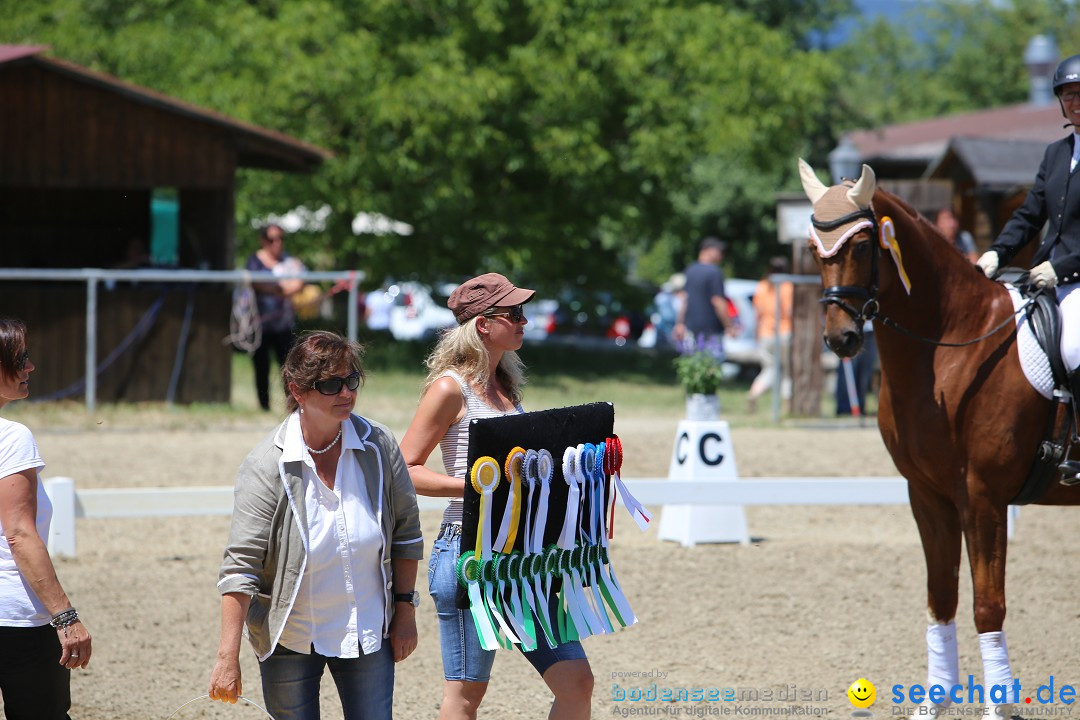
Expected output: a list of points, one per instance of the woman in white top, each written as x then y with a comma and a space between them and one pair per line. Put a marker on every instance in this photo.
41, 636
475, 373
322, 553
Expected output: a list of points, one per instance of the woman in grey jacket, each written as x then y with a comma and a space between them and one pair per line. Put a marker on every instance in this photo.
322, 554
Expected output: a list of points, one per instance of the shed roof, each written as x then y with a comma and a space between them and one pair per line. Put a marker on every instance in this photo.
256, 146
990, 162
926, 140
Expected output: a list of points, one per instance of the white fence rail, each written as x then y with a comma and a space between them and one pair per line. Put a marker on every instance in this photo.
69, 504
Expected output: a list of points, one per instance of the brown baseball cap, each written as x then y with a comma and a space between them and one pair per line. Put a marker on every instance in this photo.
489, 290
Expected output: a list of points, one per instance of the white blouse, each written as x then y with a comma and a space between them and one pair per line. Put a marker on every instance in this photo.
339, 607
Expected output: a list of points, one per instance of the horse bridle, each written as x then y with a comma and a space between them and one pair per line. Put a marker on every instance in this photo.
870, 309
836, 294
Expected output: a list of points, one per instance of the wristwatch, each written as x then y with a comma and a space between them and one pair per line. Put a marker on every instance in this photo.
413, 598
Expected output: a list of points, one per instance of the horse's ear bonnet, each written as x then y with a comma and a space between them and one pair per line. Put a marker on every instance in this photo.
835, 202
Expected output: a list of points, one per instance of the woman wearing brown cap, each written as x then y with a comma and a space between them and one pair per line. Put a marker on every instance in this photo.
474, 372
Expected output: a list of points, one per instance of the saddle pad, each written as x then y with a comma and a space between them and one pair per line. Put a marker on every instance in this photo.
1032, 358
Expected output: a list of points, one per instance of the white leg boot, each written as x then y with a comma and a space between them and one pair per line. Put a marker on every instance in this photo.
943, 664
997, 676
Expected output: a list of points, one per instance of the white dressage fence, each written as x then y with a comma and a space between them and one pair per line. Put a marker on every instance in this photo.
69, 503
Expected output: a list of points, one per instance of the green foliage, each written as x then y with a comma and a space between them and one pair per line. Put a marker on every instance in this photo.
699, 372
962, 56
553, 140
577, 142
798, 19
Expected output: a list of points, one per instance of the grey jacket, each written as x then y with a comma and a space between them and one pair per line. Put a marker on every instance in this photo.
267, 551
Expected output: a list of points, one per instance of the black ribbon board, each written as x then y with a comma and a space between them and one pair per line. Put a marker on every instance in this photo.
553, 430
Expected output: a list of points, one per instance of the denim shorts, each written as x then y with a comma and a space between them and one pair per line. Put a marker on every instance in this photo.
463, 657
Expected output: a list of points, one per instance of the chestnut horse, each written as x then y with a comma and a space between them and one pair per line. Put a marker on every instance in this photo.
962, 423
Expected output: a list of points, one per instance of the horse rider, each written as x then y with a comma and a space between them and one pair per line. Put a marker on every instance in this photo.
1054, 197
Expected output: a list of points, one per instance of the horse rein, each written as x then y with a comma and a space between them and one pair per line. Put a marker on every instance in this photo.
870, 310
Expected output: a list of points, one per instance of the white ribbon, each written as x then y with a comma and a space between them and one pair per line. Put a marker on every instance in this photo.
637, 511
541, 582
545, 468
568, 535
530, 478
576, 596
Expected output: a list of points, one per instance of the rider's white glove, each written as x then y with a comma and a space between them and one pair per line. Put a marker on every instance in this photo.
1043, 275
988, 263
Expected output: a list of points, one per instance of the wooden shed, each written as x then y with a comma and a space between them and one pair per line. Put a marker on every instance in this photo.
100, 173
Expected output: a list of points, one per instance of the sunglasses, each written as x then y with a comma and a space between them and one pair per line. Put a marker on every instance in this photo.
20, 361
332, 386
515, 313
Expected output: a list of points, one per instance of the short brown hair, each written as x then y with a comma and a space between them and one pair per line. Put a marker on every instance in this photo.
264, 231
314, 356
12, 344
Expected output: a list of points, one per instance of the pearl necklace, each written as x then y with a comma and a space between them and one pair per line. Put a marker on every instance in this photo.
327, 448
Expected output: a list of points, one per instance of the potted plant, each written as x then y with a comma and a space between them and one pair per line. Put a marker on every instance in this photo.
700, 375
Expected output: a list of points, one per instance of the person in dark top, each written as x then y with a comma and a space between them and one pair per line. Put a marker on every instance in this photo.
275, 307
1054, 201
703, 315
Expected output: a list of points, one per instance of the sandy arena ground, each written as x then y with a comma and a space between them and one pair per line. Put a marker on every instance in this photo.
824, 596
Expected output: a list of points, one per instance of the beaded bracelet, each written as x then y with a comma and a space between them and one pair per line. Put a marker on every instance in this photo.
64, 618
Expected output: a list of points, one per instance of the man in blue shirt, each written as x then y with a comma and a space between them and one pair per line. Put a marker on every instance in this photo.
703, 315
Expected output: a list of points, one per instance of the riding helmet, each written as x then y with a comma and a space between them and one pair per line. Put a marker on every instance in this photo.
1067, 72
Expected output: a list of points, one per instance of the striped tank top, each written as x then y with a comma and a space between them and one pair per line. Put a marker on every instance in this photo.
455, 444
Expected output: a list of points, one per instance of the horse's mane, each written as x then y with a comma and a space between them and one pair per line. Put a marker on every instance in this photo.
925, 225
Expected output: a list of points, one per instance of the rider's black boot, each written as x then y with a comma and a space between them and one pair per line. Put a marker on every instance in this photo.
1070, 469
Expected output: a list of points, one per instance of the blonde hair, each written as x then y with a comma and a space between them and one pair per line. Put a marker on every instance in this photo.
462, 349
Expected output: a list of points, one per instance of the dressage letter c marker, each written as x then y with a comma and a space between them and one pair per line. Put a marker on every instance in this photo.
680, 448
719, 458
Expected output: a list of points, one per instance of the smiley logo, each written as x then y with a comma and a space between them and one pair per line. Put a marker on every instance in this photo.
862, 693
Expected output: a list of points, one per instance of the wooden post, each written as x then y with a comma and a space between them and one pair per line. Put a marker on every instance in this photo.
807, 378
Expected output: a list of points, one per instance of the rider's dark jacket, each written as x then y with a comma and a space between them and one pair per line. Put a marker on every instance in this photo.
1055, 197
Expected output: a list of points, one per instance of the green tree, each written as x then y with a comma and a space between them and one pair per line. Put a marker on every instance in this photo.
954, 57
552, 140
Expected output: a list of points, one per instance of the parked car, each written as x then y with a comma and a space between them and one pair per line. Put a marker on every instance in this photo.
541, 313
596, 316
418, 312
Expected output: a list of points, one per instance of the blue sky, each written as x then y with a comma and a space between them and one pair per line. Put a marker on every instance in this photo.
897, 10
